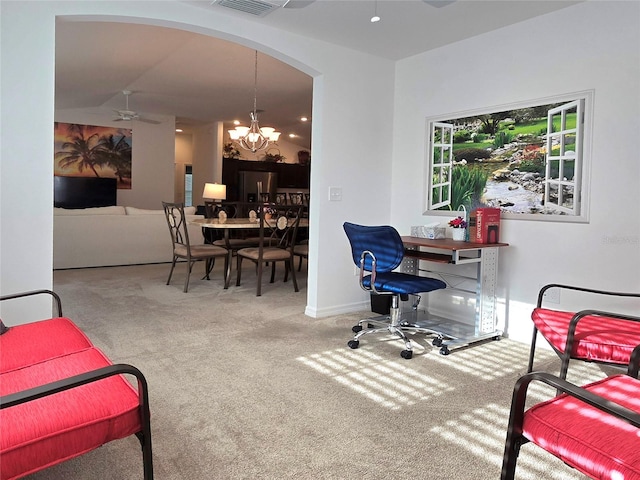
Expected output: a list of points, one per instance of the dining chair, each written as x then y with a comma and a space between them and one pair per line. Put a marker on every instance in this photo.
301, 250
182, 248
281, 198
235, 239
265, 197
296, 198
211, 209
277, 236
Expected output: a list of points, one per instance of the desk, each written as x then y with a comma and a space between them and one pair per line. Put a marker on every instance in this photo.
447, 251
237, 224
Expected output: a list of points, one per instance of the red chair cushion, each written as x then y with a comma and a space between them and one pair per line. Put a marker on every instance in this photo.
50, 430
593, 442
596, 339
36, 342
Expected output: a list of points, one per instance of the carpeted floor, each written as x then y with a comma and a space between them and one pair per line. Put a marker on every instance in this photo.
246, 387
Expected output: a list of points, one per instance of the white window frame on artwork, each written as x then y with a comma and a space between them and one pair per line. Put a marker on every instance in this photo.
573, 208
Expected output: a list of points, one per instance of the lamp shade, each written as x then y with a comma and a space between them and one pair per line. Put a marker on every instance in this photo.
214, 191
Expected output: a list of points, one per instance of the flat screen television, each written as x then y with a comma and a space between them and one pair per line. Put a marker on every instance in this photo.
84, 192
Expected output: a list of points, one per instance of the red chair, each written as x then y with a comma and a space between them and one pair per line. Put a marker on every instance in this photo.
61, 397
588, 335
594, 429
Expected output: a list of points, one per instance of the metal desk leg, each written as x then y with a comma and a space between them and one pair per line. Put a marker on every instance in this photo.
486, 294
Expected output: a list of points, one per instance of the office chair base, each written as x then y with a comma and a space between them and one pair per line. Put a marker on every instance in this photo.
386, 325
406, 354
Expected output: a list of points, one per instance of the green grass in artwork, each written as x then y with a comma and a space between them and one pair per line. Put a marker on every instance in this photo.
535, 128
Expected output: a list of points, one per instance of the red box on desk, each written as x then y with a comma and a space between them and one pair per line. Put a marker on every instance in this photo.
484, 225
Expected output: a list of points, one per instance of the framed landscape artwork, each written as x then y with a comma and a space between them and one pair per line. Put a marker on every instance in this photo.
529, 160
92, 151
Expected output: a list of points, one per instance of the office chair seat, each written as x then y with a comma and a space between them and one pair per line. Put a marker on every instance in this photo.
403, 283
377, 251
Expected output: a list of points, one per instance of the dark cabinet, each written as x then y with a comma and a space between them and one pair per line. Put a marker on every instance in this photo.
290, 175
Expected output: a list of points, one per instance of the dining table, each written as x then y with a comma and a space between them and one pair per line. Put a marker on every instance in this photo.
245, 223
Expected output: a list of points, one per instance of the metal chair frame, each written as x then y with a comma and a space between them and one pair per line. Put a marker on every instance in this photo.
515, 438
567, 355
182, 248
42, 391
277, 237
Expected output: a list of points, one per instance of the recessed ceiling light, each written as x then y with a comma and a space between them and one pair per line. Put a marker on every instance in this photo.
292, 135
179, 130
303, 119
236, 122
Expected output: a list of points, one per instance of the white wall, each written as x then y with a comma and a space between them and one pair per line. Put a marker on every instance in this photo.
184, 157
593, 45
207, 158
345, 82
152, 156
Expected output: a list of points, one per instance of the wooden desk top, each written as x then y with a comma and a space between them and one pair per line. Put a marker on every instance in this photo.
447, 244
456, 252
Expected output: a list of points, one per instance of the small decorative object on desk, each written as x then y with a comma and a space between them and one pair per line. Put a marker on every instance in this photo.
459, 226
432, 231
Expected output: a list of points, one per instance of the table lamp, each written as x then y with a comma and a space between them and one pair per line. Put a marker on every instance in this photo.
214, 191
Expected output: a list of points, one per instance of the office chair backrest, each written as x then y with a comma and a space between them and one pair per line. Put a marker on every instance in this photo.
383, 241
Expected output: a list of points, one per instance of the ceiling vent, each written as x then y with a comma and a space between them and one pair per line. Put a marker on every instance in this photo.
259, 8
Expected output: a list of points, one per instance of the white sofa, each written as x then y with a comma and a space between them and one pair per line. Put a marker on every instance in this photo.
104, 236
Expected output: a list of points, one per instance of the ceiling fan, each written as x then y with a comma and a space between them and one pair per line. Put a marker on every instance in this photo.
126, 114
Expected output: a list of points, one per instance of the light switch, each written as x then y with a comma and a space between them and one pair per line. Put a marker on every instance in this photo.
335, 194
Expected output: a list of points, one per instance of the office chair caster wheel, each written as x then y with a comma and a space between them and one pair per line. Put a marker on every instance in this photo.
444, 351
353, 344
356, 328
407, 354
436, 342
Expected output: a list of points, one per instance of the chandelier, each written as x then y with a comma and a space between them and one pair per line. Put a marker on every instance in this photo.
254, 137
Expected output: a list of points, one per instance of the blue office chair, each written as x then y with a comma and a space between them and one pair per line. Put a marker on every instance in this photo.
377, 251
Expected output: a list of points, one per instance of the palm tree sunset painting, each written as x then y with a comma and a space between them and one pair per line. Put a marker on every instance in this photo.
92, 151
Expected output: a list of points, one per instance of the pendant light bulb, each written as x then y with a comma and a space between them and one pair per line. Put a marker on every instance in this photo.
375, 17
